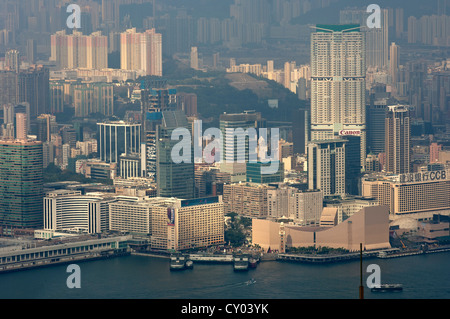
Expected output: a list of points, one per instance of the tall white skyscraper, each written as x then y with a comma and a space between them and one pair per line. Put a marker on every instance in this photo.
394, 63
338, 80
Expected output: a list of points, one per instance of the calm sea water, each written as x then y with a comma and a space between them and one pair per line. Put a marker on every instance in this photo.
141, 277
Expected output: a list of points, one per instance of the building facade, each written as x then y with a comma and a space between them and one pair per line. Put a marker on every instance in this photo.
117, 138
338, 77
416, 195
21, 183
65, 209
397, 140
141, 52
326, 166
173, 179
246, 199
171, 223
71, 51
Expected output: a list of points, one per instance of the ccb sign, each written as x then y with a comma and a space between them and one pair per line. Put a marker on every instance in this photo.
423, 177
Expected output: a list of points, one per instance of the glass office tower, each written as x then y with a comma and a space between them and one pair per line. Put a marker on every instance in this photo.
173, 179
21, 184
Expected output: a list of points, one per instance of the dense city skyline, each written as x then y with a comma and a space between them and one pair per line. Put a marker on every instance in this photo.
247, 130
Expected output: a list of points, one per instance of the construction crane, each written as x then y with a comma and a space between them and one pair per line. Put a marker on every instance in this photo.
403, 244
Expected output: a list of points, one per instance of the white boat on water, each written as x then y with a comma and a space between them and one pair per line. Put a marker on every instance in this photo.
240, 263
251, 282
387, 287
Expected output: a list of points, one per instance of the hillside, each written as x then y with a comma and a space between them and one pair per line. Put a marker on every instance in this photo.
219, 92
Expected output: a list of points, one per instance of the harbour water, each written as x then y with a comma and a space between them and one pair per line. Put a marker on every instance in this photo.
142, 277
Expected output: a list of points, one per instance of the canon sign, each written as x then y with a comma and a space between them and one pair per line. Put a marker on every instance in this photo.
350, 133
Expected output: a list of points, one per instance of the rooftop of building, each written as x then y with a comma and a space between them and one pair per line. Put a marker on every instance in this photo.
337, 27
335, 140
119, 123
398, 108
20, 142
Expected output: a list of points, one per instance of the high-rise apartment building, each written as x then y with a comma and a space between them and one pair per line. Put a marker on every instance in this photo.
429, 29
31, 51
141, 52
33, 87
377, 45
21, 126
434, 152
326, 166
21, 183
56, 96
397, 139
194, 58
10, 112
79, 51
96, 97
394, 63
338, 76
246, 199
111, 13
12, 61
187, 102
46, 126
8, 87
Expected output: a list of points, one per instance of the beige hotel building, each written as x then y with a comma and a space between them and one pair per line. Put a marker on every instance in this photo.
416, 195
170, 223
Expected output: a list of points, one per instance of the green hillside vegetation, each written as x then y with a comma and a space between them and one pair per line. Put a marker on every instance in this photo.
216, 94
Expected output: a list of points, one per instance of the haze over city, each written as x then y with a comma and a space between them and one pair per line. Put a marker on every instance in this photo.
214, 145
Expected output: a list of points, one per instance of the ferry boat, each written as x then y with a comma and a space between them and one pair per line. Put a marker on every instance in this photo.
177, 262
240, 263
189, 264
252, 262
387, 287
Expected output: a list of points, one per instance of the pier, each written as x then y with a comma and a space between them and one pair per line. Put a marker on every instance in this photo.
211, 258
324, 258
70, 252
